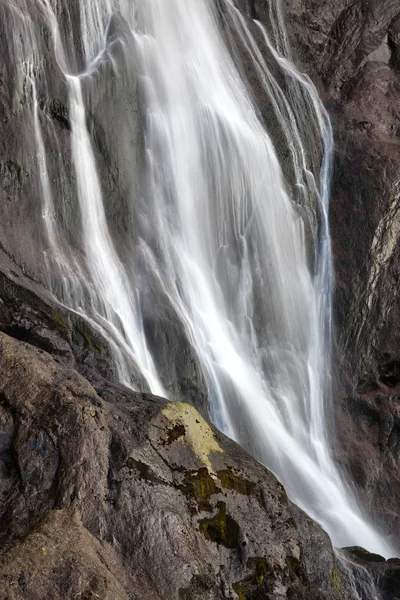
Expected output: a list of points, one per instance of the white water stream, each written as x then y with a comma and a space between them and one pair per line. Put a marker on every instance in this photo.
242, 254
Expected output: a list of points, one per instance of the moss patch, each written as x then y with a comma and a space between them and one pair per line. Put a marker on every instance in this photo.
296, 570
230, 481
198, 433
200, 484
90, 342
221, 528
237, 587
62, 320
260, 567
336, 582
256, 585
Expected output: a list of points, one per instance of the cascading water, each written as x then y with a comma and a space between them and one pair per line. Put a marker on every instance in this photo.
237, 245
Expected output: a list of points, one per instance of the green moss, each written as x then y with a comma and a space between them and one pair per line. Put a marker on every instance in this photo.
200, 484
336, 582
256, 585
231, 481
62, 320
260, 567
91, 343
16, 169
239, 591
221, 528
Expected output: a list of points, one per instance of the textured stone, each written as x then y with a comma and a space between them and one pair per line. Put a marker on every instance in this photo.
121, 495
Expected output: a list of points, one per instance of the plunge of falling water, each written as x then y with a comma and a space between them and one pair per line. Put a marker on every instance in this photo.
222, 235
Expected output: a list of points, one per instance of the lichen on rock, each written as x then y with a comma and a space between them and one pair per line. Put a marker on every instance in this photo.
198, 433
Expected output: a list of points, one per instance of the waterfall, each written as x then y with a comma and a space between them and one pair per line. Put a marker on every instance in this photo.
231, 226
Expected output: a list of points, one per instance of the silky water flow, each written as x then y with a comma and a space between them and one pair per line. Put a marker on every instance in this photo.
232, 233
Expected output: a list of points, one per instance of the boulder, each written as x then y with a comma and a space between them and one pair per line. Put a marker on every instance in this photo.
113, 494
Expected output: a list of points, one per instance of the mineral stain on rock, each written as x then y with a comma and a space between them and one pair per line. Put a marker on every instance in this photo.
175, 432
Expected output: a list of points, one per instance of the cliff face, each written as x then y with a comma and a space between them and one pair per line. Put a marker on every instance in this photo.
363, 81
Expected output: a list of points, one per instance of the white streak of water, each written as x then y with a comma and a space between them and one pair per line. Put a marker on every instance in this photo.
225, 237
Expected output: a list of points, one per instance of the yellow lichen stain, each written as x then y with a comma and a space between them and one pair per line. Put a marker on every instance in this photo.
336, 582
198, 433
43, 551
238, 589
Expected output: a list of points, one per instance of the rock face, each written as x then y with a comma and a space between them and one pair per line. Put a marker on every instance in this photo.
30, 314
385, 574
115, 495
364, 104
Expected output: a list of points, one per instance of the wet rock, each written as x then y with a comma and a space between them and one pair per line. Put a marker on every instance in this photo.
394, 43
389, 372
363, 555
29, 313
123, 495
385, 574
369, 433
176, 360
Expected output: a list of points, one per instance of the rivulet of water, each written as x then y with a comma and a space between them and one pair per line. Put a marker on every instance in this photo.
232, 230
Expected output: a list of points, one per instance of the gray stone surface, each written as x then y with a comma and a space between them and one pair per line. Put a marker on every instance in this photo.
112, 494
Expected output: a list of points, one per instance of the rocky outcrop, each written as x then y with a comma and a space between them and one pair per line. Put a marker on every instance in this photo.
31, 314
110, 494
381, 573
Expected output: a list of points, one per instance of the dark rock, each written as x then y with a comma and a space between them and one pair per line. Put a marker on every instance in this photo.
364, 555
29, 313
176, 360
389, 372
385, 574
369, 432
102, 500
